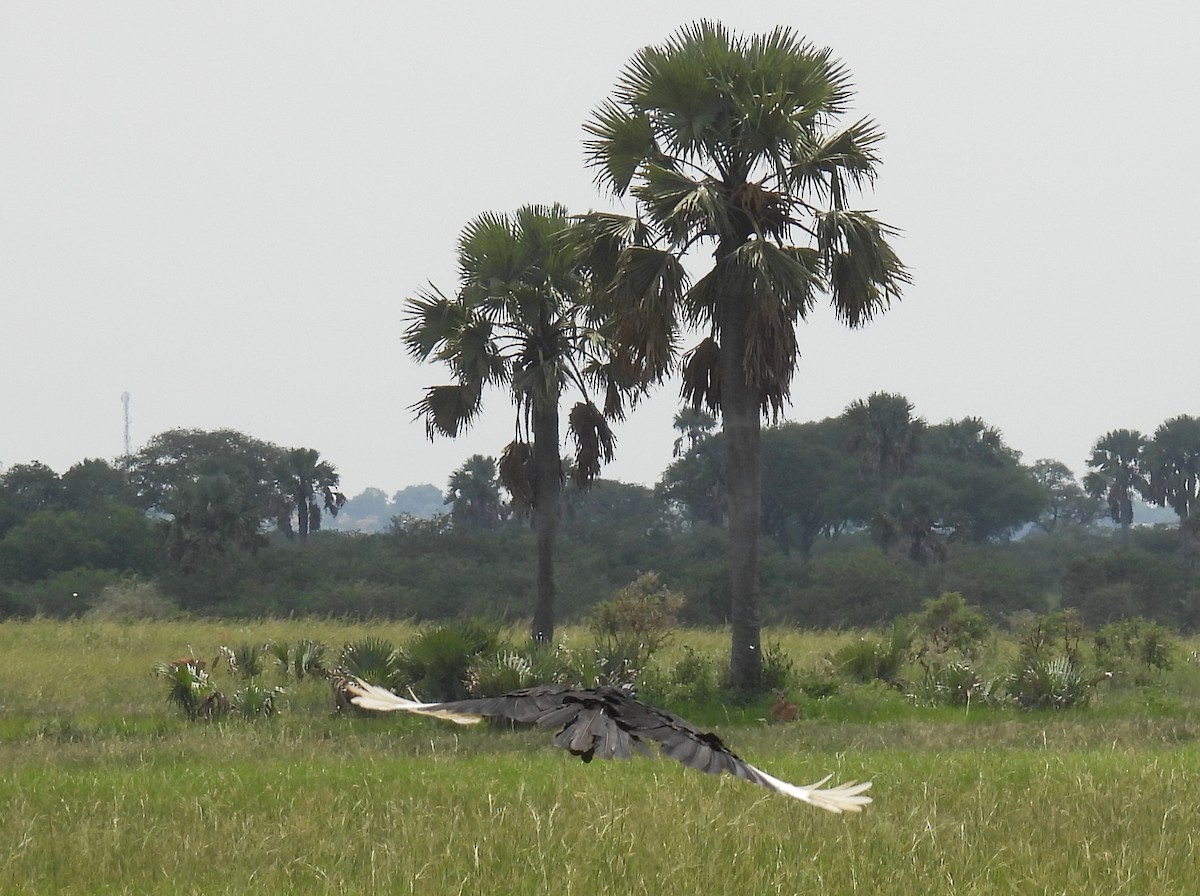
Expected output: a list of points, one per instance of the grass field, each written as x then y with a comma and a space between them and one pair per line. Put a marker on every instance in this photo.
104, 788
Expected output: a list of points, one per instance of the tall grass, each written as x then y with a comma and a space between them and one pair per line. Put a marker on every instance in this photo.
104, 788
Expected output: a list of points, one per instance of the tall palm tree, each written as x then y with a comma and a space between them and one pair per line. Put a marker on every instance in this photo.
1172, 460
473, 493
884, 436
734, 143
307, 485
1117, 472
519, 320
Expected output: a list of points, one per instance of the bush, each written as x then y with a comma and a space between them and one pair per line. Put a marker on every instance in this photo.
374, 660
871, 659
1050, 683
1134, 646
130, 600
632, 626
436, 663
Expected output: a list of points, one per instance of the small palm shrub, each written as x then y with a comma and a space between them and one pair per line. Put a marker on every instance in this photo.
776, 668
255, 701
308, 658
190, 688
1050, 683
436, 662
871, 659
372, 659
247, 661
956, 683
505, 671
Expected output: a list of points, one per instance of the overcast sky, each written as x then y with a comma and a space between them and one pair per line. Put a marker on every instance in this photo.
220, 207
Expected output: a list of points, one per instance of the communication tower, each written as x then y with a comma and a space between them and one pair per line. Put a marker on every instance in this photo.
128, 448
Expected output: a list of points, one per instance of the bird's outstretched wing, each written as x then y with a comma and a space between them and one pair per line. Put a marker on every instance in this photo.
609, 723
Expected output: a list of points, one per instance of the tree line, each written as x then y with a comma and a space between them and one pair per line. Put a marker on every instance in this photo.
211, 519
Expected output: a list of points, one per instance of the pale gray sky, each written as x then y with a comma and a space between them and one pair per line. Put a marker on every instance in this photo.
219, 207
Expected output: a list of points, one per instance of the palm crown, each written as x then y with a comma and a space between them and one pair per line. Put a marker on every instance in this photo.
735, 140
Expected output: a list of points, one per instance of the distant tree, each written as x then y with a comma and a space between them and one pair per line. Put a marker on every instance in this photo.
177, 457
969, 440
25, 489
1117, 473
1172, 462
306, 486
618, 505
1068, 503
966, 484
93, 484
810, 484
736, 142
47, 542
218, 489
210, 516
520, 320
693, 426
884, 436
473, 494
694, 483
423, 501
369, 511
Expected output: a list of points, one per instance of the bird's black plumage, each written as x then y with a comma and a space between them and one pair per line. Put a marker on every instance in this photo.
609, 723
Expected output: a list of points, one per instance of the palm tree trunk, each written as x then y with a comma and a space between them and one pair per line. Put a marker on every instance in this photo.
302, 515
742, 428
547, 486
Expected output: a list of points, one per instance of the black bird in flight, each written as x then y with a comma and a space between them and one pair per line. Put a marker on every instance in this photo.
609, 723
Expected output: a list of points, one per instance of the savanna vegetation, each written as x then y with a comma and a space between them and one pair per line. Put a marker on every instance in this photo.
111, 785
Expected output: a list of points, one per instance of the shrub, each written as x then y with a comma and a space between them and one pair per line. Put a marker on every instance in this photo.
190, 688
949, 624
436, 662
955, 683
871, 659
246, 660
1134, 646
632, 626
255, 701
776, 668
372, 659
130, 600
1050, 683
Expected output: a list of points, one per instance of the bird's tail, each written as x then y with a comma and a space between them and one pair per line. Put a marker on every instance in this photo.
846, 797
378, 699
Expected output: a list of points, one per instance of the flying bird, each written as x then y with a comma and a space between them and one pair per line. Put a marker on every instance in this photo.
609, 723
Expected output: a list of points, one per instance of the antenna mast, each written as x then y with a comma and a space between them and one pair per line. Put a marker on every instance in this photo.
128, 447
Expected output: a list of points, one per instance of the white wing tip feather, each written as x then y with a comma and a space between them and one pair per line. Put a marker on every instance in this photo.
377, 699
848, 797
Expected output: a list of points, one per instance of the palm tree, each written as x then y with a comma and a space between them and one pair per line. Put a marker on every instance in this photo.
473, 493
1172, 459
1117, 472
519, 320
307, 484
734, 142
884, 435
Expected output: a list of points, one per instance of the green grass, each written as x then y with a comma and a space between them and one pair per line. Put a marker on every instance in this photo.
105, 788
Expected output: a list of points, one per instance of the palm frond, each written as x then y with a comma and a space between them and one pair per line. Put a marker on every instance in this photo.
702, 376
865, 275
516, 472
594, 441
449, 409
850, 153
620, 142
682, 205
